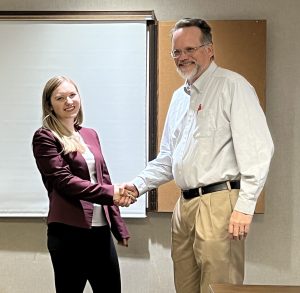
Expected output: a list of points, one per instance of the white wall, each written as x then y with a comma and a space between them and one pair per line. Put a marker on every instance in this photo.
273, 254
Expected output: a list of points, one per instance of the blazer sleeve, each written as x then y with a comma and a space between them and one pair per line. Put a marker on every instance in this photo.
56, 172
118, 226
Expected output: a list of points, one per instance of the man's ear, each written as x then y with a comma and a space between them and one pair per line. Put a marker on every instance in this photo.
210, 50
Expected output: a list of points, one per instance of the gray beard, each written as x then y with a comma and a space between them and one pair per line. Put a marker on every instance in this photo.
191, 75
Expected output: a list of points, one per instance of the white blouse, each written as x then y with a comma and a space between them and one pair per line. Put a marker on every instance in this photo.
98, 213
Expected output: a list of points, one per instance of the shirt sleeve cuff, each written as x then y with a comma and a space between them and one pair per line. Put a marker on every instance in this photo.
245, 206
140, 184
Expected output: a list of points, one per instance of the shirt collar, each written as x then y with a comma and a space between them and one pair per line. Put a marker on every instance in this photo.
202, 79
187, 88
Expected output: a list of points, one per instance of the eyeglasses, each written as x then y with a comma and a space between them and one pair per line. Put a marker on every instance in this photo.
187, 51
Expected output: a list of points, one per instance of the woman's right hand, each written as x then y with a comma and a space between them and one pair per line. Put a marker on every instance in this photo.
123, 197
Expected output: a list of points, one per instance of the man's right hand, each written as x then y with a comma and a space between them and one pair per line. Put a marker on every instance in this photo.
132, 188
123, 197
129, 194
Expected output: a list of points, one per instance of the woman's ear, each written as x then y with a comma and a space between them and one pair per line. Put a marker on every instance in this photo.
50, 106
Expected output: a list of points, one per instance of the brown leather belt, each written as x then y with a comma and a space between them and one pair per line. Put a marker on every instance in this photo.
191, 193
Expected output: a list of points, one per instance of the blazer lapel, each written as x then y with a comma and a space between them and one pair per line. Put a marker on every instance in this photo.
93, 144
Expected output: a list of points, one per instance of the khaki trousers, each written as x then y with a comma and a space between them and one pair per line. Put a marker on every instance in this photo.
202, 252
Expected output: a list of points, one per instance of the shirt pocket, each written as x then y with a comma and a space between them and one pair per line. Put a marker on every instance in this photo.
205, 124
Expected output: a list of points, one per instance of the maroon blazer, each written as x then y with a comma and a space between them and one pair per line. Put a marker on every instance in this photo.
67, 180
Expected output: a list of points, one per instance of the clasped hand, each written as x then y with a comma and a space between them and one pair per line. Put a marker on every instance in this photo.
125, 194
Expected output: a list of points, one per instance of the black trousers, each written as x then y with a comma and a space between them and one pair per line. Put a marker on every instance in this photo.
79, 255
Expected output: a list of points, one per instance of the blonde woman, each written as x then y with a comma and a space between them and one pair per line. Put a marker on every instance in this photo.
82, 210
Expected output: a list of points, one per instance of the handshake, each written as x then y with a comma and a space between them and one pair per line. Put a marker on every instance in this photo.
125, 194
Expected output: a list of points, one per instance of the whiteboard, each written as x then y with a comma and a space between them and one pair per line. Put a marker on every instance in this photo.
108, 62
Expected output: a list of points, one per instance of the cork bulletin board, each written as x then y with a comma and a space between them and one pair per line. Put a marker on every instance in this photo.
240, 45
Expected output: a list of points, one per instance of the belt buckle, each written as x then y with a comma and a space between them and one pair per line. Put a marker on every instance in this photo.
228, 185
200, 191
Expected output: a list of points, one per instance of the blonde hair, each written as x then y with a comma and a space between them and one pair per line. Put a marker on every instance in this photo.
69, 141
